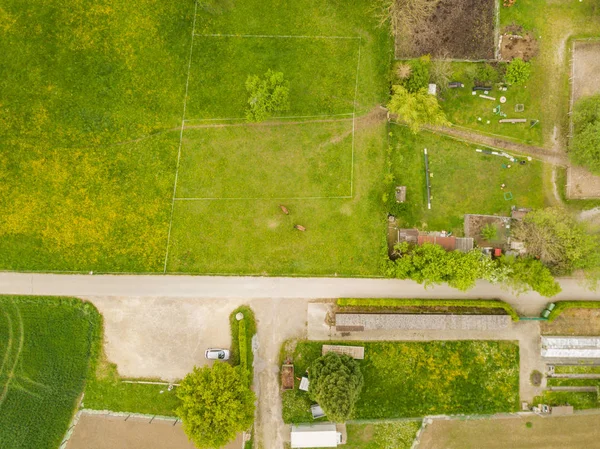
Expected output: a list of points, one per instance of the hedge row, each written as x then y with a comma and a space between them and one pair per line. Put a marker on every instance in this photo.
397, 303
243, 344
241, 339
561, 306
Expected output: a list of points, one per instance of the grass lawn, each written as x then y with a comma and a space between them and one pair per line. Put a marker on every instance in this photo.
280, 161
463, 182
46, 346
463, 108
413, 379
553, 22
563, 432
343, 235
397, 435
321, 74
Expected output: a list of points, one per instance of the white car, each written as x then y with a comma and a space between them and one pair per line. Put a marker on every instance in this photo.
217, 354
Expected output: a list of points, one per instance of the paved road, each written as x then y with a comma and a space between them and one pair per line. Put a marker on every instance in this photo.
267, 287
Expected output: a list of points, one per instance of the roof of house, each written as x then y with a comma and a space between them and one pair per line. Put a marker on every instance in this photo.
449, 243
314, 435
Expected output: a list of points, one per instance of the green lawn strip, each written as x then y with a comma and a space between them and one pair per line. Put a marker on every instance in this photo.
241, 338
564, 382
413, 379
47, 360
284, 160
579, 400
451, 163
399, 435
463, 108
321, 74
561, 306
577, 369
255, 237
424, 304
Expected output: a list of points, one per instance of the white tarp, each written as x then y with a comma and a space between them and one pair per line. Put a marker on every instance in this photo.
315, 435
571, 347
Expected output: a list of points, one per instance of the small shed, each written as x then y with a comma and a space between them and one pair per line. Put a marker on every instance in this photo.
316, 411
356, 352
400, 194
315, 435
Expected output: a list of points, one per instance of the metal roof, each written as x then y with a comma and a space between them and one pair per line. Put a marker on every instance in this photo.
314, 435
573, 347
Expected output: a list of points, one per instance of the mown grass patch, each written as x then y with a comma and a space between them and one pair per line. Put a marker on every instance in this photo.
429, 305
397, 435
279, 161
451, 163
413, 379
46, 347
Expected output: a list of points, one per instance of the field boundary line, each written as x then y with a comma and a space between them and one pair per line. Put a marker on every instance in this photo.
187, 84
11, 373
354, 121
264, 198
277, 36
9, 343
270, 118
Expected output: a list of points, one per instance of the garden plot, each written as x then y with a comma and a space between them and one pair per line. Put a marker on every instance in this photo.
285, 160
322, 73
458, 29
586, 68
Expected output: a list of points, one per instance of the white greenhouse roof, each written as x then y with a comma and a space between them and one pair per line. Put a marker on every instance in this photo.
571, 347
315, 435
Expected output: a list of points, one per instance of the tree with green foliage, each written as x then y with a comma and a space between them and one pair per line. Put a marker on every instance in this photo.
528, 273
585, 145
559, 241
416, 109
518, 72
266, 95
489, 232
335, 384
419, 75
216, 404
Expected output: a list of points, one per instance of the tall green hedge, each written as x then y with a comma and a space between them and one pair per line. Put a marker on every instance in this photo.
241, 339
397, 303
561, 306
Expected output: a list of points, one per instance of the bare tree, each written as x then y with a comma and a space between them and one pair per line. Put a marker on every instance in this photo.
441, 71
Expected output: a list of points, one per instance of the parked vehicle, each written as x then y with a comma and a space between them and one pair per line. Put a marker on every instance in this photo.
217, 354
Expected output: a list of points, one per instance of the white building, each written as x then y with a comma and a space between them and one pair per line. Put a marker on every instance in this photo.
316, 435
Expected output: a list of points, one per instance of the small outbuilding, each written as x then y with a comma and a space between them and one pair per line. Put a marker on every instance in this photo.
316, 435
400, 194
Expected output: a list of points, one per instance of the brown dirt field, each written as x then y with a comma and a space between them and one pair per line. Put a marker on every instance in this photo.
574, 322
582, 184
110, 432
458, 29
475, 226
517, 46
566, 432
586, 69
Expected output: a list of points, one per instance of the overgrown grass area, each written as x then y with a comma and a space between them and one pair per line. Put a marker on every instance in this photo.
397, 435
429, 305
413, 379
80, 79
279, 161
561, 306
46, 347
342, 236
577, 369
464, 109
463, 181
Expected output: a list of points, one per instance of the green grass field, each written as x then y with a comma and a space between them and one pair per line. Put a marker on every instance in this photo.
280, 161
413, 379
45, 350
463, 182
397, 435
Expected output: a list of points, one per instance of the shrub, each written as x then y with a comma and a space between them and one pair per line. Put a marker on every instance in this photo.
243, 344
518, 71
487, 74
489, 232
416, 109
335, 384
267, 95
535, 378
419, 75
241, 338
